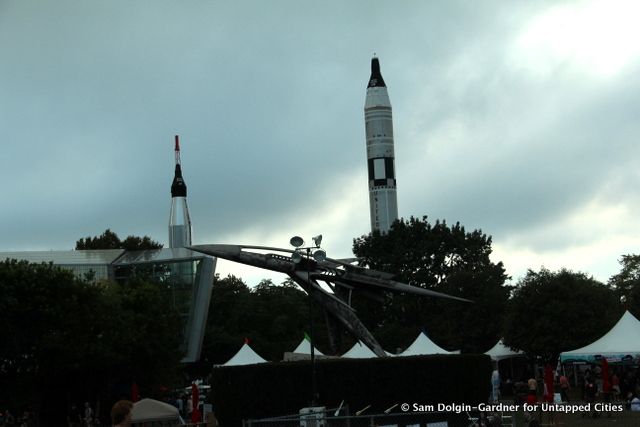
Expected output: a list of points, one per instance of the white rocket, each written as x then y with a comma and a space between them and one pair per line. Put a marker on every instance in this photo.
179, 220
383, 202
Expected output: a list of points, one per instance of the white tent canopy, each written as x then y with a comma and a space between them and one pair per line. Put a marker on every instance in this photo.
305, 348
501, 351
359, 351
423, 345
622, 341
149, 410
245, 356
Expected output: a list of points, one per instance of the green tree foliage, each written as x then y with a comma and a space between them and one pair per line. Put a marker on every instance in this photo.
227, 321
280, 317
627, 283
51, 323
273, 317
552, 312
148, 332
110, 240
442, 258
65, 339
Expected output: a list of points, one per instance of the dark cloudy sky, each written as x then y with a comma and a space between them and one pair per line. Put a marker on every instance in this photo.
519, 118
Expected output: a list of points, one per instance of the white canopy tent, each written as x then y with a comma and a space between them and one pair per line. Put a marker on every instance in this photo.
359, 351
422, 346
149, 410
245, 356
501, 351
620, 343
305, 348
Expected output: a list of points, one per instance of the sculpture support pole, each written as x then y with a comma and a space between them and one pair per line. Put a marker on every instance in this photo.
314, 386
340, 311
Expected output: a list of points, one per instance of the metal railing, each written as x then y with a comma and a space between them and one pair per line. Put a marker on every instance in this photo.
473, 418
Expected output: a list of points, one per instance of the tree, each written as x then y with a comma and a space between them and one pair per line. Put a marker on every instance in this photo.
552, 312
443, 258
280, 317
227, 321
65, 339
51, 322
110, 240
627, 283
274, 318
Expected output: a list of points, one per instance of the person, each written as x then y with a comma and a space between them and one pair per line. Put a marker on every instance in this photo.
189, 407
590, 391
9, 419
495, 385
615, 386
180, 405
74, 418
121, 413
482, 421
564, 388
88, 415
532, 397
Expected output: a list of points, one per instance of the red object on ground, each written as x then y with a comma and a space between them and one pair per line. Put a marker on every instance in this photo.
548, 382
195, 400
606, 383
135, 392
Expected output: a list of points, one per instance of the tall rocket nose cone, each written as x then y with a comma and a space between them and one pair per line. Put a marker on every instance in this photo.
376, 79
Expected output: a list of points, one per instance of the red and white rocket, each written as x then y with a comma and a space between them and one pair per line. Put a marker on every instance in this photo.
179, 220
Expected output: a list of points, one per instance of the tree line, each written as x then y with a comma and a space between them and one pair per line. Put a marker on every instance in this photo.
543, 313
69, 339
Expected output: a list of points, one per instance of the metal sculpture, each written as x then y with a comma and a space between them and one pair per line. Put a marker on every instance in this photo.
342, 278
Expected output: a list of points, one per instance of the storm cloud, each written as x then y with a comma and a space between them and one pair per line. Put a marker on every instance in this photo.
519, 119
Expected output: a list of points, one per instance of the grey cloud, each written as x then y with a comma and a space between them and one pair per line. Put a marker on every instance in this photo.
268, 99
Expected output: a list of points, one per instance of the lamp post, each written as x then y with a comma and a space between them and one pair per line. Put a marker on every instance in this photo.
297, 256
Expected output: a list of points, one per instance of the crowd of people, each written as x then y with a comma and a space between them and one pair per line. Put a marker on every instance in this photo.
7, 419
616, 385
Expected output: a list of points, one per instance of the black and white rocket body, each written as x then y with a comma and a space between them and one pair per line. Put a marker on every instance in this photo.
383, 201
179, 220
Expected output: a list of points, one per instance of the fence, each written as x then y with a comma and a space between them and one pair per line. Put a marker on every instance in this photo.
472, 418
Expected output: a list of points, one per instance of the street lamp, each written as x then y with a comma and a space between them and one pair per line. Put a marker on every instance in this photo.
319, 255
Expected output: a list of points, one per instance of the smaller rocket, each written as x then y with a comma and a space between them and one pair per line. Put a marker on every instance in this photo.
179, 220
